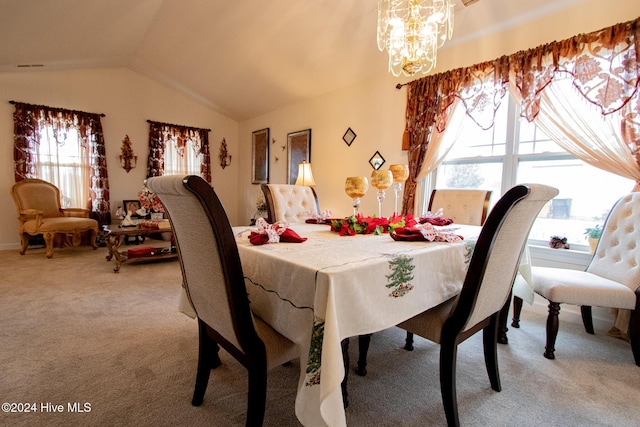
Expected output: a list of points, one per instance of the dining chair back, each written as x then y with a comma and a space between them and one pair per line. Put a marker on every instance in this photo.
289, 203
486, 288
464, 206
214, 283
612, 279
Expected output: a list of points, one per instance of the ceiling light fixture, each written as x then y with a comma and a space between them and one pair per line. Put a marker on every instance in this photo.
412, 31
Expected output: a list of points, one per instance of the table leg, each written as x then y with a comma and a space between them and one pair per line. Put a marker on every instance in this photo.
345, 357
113, 243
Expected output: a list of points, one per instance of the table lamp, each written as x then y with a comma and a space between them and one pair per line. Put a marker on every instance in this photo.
305, 176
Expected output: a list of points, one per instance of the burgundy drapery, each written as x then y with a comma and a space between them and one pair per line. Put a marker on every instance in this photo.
29, 118
603, 66
160, 133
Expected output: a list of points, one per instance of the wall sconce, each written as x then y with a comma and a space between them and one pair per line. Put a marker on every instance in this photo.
128, 159
305, 176
225, 157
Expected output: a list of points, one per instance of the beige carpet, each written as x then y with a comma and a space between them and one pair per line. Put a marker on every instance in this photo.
72, 331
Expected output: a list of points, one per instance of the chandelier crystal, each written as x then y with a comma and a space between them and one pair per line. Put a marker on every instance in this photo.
412, 31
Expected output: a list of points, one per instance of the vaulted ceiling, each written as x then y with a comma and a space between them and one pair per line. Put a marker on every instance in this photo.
242, 58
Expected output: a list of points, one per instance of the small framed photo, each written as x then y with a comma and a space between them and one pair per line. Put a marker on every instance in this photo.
132, 206
376, 161
260, 157
299, 144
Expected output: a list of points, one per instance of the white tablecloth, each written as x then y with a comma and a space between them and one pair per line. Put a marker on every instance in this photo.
332, 287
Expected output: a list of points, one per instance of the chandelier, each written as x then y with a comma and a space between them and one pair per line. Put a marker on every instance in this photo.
412, 31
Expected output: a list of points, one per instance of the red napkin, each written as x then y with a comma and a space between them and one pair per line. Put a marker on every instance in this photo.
436, 220
424, 233
290, 236
407, 234
258, 238
273, 233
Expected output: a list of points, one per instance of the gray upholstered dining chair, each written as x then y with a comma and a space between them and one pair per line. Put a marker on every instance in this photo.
464, 206
486, 289
289, 203
612, 279
214, 282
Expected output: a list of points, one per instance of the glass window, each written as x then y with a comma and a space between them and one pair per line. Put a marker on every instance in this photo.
65, 165
493, 160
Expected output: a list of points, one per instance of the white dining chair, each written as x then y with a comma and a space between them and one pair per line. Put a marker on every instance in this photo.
612, 279
486, 289
214, 282
290, 203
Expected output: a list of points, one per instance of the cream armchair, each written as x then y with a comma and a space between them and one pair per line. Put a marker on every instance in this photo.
40, 214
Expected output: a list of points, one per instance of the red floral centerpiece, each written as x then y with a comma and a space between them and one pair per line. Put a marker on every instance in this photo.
360, 224
149, 200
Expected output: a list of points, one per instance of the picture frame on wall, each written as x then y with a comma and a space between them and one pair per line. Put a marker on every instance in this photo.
260, 157
299, 144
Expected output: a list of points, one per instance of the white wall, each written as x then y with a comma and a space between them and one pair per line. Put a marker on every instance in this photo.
128, 100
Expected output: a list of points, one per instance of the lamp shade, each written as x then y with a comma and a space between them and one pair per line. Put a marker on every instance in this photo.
305, 176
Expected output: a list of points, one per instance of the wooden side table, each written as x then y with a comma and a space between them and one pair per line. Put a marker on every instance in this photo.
115, 234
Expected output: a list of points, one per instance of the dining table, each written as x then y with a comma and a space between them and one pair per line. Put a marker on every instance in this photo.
330, 287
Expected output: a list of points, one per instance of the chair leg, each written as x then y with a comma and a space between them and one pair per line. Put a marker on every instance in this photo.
634, 327
552, 329
363, 350
48, 242
93, 239
448, 354
587, 320
502, 322
408, 342
517, 309
490, 343
208, 359
257, 396
24, 240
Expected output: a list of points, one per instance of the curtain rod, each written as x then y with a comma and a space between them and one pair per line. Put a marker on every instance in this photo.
180, 126
57, 108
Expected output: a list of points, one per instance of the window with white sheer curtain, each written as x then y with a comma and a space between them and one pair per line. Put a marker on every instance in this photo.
65, 165
178, 150
515, 151
184, 160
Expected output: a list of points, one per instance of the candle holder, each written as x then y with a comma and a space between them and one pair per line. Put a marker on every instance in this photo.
400, 175
356, 187
381, 180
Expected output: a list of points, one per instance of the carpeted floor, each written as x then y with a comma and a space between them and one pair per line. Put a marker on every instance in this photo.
73, 332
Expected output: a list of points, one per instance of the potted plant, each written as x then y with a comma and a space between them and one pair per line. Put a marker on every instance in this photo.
593, 236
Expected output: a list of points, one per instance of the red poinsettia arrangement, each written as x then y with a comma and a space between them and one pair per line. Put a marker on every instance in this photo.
359, 224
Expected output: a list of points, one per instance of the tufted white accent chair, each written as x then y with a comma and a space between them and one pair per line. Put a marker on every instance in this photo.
612, 279
289, 203
463, 206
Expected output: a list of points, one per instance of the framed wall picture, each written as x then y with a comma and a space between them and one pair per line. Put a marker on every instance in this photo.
349, 136
260, 157
376, 161
299, 144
